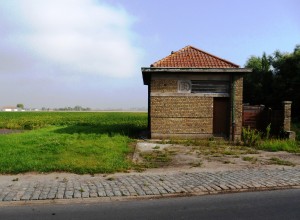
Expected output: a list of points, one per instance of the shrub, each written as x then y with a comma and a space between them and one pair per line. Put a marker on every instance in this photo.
250, 137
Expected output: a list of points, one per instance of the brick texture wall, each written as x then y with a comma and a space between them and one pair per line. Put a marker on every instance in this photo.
182, 125
174, 115
179, 115
287, 109
181, 107
163, 85
238, 97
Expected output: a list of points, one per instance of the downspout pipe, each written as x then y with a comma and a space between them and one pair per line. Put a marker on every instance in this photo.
233, 106
149, 110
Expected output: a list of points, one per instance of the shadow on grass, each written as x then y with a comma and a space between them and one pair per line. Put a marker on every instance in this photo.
130, 130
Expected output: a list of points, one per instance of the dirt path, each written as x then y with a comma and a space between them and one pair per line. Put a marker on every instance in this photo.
9, 131
155, 157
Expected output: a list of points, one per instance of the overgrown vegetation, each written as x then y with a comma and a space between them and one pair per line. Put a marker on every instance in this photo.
263, 141
275, 78
279, 145
251, 137
69, 142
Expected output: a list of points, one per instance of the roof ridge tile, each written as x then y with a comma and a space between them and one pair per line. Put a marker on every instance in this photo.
192, 57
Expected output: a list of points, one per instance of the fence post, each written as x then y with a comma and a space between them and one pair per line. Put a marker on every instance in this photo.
287, 105
287, 108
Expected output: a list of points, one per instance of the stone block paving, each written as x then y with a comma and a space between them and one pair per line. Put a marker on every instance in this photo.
140, 184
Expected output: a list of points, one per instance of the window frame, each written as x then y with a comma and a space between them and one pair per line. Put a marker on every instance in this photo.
210, 86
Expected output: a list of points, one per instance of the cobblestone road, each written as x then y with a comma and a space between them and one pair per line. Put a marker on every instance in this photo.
148, 184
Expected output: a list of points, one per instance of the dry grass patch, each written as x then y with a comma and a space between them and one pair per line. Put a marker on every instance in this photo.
156, 158
250, 159
278, 161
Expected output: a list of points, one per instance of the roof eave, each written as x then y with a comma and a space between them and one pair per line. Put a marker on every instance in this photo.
189, 69
146, 71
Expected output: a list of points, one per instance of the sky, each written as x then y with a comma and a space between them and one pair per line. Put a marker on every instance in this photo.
59, 53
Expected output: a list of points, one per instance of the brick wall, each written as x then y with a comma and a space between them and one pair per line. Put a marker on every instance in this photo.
182, 125
175, 115
163, 85
287, 109
238, 99
181, 106
178, 115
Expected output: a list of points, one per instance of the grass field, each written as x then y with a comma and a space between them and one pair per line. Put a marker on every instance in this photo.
78, 142
84, 142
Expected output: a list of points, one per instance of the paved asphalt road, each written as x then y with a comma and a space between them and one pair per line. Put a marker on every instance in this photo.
283, 204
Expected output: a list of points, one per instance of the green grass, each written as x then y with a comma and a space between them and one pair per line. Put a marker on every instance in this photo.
69, 142
101, 122
279, 145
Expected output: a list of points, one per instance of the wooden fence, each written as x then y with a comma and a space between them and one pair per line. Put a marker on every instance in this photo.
259, 117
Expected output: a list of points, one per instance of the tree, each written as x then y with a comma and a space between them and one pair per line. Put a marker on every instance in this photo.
287, 78
274, 79
78, 108
258, 83
21, 106
252, 81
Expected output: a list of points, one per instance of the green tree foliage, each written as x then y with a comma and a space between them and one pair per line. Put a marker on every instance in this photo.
21, 106
259, 82
275, 78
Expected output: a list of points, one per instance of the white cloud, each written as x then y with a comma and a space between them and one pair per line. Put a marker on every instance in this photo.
78, 36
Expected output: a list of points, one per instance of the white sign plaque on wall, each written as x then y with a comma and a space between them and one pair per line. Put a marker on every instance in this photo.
184, 86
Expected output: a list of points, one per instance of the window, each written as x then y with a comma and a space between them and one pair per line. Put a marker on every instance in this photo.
205, 86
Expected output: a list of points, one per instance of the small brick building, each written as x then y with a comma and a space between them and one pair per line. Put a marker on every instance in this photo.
194, 94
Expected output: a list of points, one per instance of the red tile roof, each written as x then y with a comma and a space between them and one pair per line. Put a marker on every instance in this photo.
191, 57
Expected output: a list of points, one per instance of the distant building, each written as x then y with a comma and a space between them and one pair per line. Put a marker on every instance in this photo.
10, 109
194, 94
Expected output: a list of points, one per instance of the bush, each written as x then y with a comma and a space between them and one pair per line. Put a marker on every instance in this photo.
251, 137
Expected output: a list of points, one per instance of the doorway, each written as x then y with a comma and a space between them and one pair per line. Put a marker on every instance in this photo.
221, 117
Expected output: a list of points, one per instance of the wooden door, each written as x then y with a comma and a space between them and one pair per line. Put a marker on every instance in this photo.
221, 117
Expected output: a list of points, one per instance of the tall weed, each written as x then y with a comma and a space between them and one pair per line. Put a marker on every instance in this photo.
268, 131
251, 137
